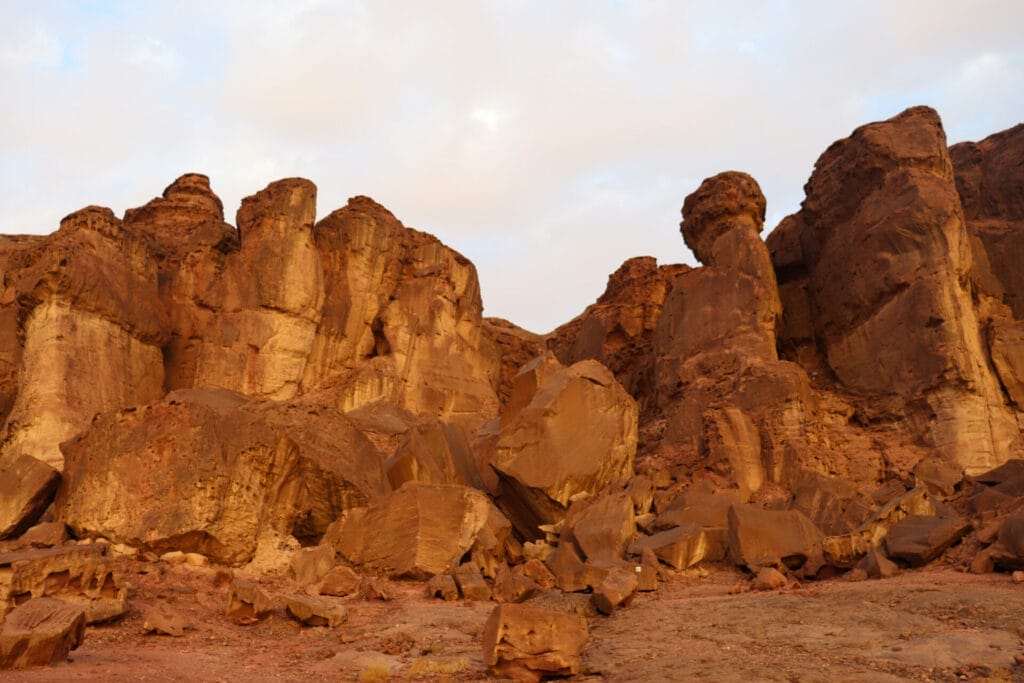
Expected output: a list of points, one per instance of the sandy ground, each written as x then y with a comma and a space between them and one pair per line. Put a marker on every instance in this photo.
933, 624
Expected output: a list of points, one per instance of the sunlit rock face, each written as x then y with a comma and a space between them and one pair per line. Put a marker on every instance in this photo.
884, 263
89, 327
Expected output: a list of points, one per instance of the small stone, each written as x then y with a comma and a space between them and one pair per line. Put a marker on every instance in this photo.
374, 589
442, 586
248, 603
769, 579
314, 611
1018, 576
339, 582
856, 574
471, 583
173, 557
617, 589
162, 620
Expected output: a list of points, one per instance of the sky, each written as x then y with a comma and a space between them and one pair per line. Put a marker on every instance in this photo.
547, 141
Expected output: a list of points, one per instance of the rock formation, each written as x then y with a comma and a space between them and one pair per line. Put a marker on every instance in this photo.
320, 399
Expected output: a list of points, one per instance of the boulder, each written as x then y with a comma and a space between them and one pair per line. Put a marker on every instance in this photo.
339, 582
40, 632
471, 584
760, 538
681, 547
27, 487
575, 436
769, 579
162, 620
529, 643
424, 529
310, 611
212, 472
434, 453
846, 549
602, 528
512, 586
310, 565
442, 586
877, 566
918, 539
248, 602
617, 588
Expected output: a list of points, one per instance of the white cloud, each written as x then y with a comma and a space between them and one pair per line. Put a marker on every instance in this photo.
37, 48
549, 142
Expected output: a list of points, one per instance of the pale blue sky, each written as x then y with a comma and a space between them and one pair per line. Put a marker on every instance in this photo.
548, 141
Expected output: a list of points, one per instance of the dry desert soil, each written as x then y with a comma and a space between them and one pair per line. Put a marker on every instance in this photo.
936, 624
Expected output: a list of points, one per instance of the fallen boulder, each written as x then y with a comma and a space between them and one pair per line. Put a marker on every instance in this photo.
529, 643
918, 539
760, 538
27, 487
575, 436
424, 529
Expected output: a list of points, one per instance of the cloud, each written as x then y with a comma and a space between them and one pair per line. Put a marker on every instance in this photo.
547, 141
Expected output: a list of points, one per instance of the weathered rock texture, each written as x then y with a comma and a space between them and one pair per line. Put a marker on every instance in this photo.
209, 471
878, 265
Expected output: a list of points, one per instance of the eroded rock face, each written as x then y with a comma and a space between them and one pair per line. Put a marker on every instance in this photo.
88, 309
402, 317
618, 329
209, 471
576, 435
881, 258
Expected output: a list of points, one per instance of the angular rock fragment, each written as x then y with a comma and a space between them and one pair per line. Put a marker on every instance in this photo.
40, 632
162, 620
601, 528
442, 586
424, 529
575, 436
769, 579
917, 539
680, 547
617, 588
311, 611
768, 537
511, 586
877, 566
471, 585
248, 603
538, 572
845, 550
27, 487
310, 565
339, 582
528, 643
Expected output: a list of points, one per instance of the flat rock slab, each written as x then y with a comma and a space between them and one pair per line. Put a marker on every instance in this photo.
248, 603
314, 611
40, 632
917, 540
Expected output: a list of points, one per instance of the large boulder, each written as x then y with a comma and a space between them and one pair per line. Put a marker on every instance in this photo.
576, 435
209, 471
424, 529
